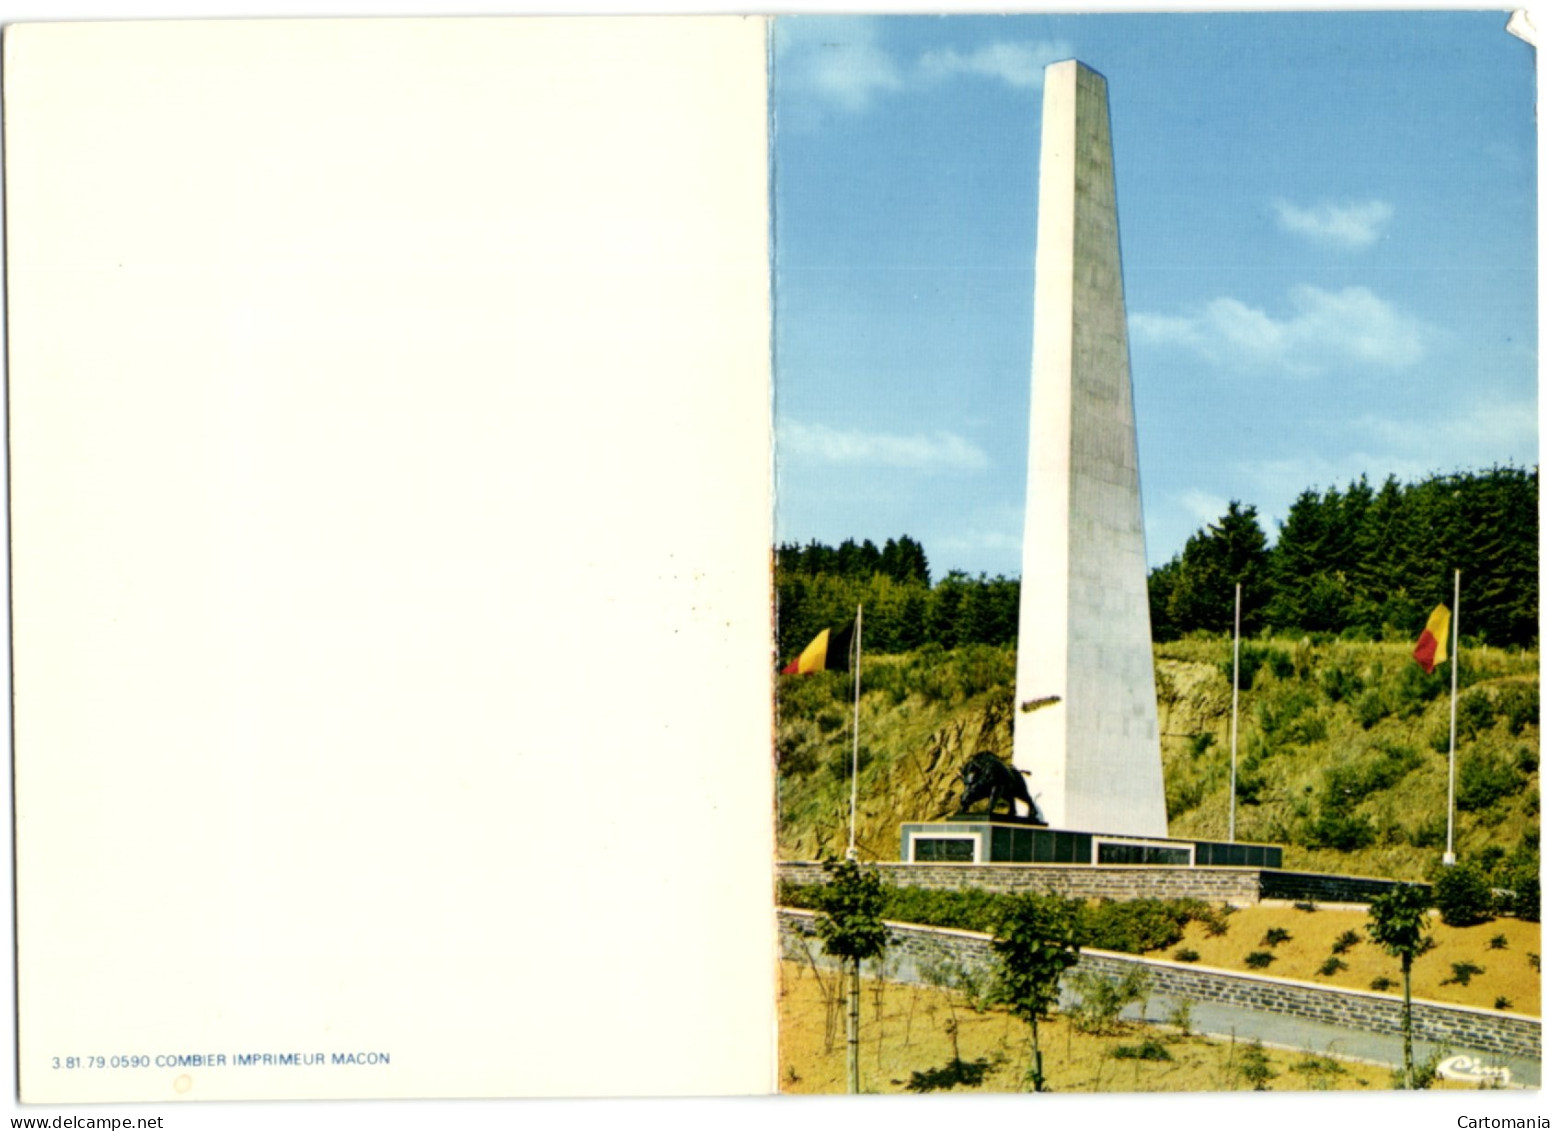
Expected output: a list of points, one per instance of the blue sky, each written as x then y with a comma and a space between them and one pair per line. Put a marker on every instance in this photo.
1329, 254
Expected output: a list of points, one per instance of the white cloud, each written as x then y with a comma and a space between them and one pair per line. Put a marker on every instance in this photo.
1204, 507
921, 451
969, 541
1477, 436
838, 58
1166, 329
1327, 331
1349, 226
1017, 64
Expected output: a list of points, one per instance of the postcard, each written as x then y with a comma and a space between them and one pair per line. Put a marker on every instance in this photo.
501, 508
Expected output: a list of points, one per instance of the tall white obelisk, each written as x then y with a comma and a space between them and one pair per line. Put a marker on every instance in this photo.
1085, 721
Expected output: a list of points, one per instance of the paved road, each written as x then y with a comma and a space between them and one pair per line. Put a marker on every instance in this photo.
1286, 1031
1279, 1029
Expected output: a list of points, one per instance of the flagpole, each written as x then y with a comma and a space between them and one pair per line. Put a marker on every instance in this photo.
1235, 710
856, 725
1448, 857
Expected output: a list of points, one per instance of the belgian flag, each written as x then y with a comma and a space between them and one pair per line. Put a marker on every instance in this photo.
1431, 648
830, 651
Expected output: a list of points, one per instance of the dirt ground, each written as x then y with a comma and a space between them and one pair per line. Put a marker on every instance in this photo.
1506, 970
917, 1038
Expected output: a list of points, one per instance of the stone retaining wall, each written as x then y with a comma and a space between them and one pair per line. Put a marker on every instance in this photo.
1483, 1030
1321, 888
1077, 881
1239, 886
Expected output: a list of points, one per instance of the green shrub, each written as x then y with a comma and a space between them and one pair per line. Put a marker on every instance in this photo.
1182, 796
1288, 718
1251, 663
1489, 858
1333, 828
804, 896
1147, 1049
1305, 905
1371, 707
1462, 894
1533, 960
1279, 662
1476, 712
1518, 884
1413, 689
1392, 763
1503, 1003
1259, 959
1421, 1076
1254, 1066
1186, 954
1309, 728
1382, 985
1102, 998
1498, 942
1275, 936
1332, 965
1485, 778
794, 755
1346, 939
1339, 683
1346, 785
1520, 703
1201, 742
1319, 1072
1462, 972
1134, 926
964, 909
841, 765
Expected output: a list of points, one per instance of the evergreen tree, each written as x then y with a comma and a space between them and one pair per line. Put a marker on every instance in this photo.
1302, 553
912, 566
913, 620
948, 598
1162, 581
1374, 561
978, 615
817, 558
1203, 590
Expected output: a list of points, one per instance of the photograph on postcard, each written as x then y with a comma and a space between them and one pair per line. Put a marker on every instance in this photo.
1156, 552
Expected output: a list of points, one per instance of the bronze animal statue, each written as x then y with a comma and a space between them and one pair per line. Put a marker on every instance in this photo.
988, 778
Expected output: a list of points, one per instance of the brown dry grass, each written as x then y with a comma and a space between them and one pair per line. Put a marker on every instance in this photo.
905, 1030
1507, 972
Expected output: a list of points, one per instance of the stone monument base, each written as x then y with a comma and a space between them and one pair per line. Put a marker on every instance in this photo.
978, 838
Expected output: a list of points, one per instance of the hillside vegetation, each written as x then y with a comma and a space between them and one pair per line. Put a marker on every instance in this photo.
1342, 749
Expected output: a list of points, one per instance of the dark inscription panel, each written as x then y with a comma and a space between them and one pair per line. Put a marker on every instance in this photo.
945, 850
